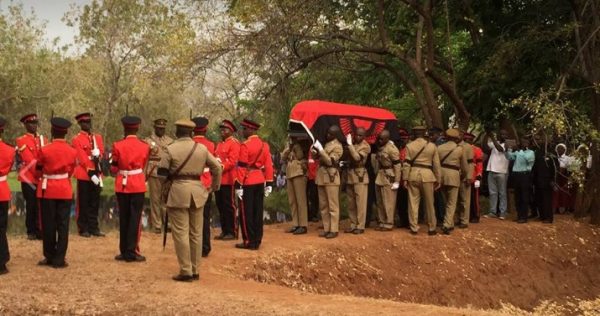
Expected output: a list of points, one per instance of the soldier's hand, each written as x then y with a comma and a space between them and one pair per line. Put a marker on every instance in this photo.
239, 193
395, 186
268, 190
437, 186
95, 152
477, 184
349, 139
318, 146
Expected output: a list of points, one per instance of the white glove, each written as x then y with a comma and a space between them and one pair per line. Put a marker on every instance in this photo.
318, 146
477, 184
95, 179
268, 190
219, 160
96, 152
349, 139
239, 193
395, 185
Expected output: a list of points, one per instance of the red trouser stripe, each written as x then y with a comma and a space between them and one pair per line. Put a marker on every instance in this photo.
235, 212
244, 228
139, 233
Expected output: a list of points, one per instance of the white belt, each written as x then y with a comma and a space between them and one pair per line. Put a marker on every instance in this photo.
206, 170
59, 176
127, 173
2, 178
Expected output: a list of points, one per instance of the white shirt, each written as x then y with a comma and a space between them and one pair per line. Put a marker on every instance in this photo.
497, 161
565, 161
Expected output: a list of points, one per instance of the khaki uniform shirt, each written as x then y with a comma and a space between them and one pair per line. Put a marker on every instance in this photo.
388, 161
329, 159
297, 164
183, 191
470, 156
158, 146
426, 168
359, 153
455, 166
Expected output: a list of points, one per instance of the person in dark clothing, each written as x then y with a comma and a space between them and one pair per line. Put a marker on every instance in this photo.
543, 175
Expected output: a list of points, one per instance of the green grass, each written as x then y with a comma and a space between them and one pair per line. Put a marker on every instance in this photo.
107, 190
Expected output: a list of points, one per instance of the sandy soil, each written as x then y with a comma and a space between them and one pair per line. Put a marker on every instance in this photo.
491, 268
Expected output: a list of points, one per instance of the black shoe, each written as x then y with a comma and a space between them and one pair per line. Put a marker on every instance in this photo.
323, 234
385, 229
243, 246
196, 277
412, 232
432, 233
119, 258
205, 254
358, 231
31, 237
474, 220
228, 237
183, 278
300, 231
85, 234
331, 235
521, 221
137, 258
547, 221
292, 229
3, 269
445, 230
314, 219
61, 265
532, 216
44, 262
463, 226
98, 234
348, 230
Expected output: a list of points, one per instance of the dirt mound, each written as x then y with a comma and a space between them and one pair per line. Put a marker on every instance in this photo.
486, 266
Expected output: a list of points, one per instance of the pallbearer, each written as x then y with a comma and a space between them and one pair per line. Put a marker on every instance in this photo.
296, 170
200, 137
387, 180
57, 163
7, 158
90, 149
358, 181
227, 153
255, 183
129, 158
328, 181
28, 148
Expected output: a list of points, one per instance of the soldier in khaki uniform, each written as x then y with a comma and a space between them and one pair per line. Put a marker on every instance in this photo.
328, 181
296, 168
187, 196
387, 181
422, 176
454, 170
158, 144
463, 208
357, 184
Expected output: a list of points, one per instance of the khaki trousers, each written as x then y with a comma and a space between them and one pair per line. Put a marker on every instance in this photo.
464, 203
329, 204
157, 208
450, 195
386, 205
416, 191
357, 204
296, 191
186, 226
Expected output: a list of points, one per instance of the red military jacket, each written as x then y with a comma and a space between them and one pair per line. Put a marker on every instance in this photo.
57, 159
478, 160
228, 151
130, 155
7, 158
313, 165
255, 165
84, 143
28, 147
206, 178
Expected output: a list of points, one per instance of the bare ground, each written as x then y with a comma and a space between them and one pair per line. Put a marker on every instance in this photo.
491, 268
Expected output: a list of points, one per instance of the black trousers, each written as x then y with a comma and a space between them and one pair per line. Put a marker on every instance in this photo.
251, 214
4, 253
32, 215
131, 206
312, 195
88, 202
402, 206
206, 227
475, 212
225, 199
522, 187
55, 229
371, 201
439, 205
543, 201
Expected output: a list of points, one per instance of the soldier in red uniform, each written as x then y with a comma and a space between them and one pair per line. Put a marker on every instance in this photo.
88, 173
227, 153
28, 147
200, 137
475, 212
129, 158
255, 182
7, 158
57, 162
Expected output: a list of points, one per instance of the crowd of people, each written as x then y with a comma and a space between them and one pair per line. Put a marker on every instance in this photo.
426, 175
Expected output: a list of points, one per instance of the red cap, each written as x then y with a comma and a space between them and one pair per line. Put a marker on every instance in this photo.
228, 124
467, 135
131, 122
84, 117
249, 124
29, 118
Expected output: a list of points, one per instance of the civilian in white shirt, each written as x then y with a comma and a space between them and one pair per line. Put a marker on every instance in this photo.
497, 168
